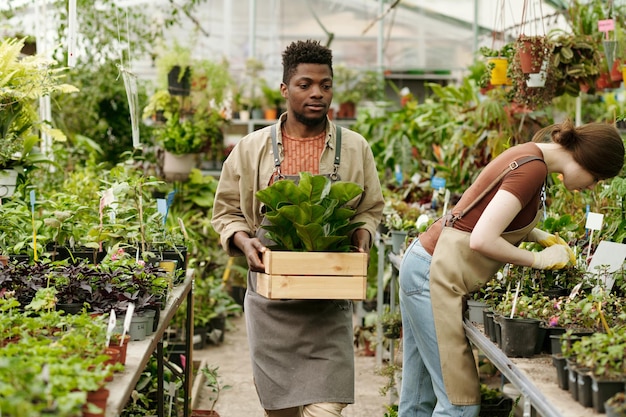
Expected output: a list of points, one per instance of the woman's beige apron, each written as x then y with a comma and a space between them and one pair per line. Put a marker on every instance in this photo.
301, 350
455, 272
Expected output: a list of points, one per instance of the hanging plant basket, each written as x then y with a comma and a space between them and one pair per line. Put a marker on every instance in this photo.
179, 81
498, 70
532, 51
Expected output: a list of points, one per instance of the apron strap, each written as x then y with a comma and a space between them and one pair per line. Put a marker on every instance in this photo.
452, 218
277, 174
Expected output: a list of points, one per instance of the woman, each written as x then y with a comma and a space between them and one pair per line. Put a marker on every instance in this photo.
461, 251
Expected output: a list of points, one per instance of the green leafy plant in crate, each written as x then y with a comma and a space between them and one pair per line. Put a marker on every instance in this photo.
310, 216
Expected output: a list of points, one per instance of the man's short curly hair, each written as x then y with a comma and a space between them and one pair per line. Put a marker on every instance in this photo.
305, 52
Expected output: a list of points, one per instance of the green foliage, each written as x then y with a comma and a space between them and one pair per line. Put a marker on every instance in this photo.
310, 216
23, 80
212, 380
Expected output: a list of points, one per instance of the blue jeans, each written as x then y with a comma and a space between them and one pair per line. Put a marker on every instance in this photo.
423, 393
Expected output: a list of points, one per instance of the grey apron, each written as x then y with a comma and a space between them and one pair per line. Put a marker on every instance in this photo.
301, 350
455, 272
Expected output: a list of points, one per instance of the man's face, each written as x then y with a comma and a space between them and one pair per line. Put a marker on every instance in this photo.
309, 93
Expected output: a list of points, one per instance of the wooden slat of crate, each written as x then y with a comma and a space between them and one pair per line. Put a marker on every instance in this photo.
314, 263
312, 287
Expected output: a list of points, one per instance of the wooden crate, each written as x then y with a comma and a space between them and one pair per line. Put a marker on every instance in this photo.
313, 275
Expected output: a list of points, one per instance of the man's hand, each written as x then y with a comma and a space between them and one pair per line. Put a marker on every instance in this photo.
361, 240
252, 248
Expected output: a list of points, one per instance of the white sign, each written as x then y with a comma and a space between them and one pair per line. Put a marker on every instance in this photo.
594, 221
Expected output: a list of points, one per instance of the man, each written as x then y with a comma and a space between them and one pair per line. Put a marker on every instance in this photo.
302, 352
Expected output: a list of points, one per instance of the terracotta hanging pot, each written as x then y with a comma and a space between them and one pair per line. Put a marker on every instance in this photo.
531, 53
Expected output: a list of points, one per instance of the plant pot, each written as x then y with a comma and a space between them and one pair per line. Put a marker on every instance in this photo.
613, 412
536, 80
498, 72
552, 342
69, 308
572, 382
496, 408
244, 115
347, 110
398, 239
531, 52
8, 182
602, 390
178, 167
519, 336
138, 326
177, 84
497, 330
116, 342
99, 399
475, 311
217, 329
150, 314
616, 406
562, 377
487, 322
583, 381
257, 114
270, 114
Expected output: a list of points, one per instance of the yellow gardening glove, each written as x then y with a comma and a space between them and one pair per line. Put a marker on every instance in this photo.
553, 257
546, 240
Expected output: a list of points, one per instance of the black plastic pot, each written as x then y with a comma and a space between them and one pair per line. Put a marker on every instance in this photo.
519, 336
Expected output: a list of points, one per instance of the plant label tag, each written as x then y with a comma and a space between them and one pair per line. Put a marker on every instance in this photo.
129, 316
606, 261
111, 326
162, 207
438, 183
594, 221
606, 25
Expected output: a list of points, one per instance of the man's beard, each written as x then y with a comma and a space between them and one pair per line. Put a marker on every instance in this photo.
309, 121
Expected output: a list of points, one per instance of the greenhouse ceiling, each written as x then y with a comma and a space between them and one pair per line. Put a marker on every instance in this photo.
394, 35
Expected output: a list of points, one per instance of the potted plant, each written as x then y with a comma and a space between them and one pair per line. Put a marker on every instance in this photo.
273, 98
616, 405
210, 83
310, 225
174, 69
251, 95
392, 324
26, 79
184, 138
576, 62
213, 382
346, 91
497, 65
532, 51
162, 106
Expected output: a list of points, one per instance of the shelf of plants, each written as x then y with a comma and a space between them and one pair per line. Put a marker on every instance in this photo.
139, 352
